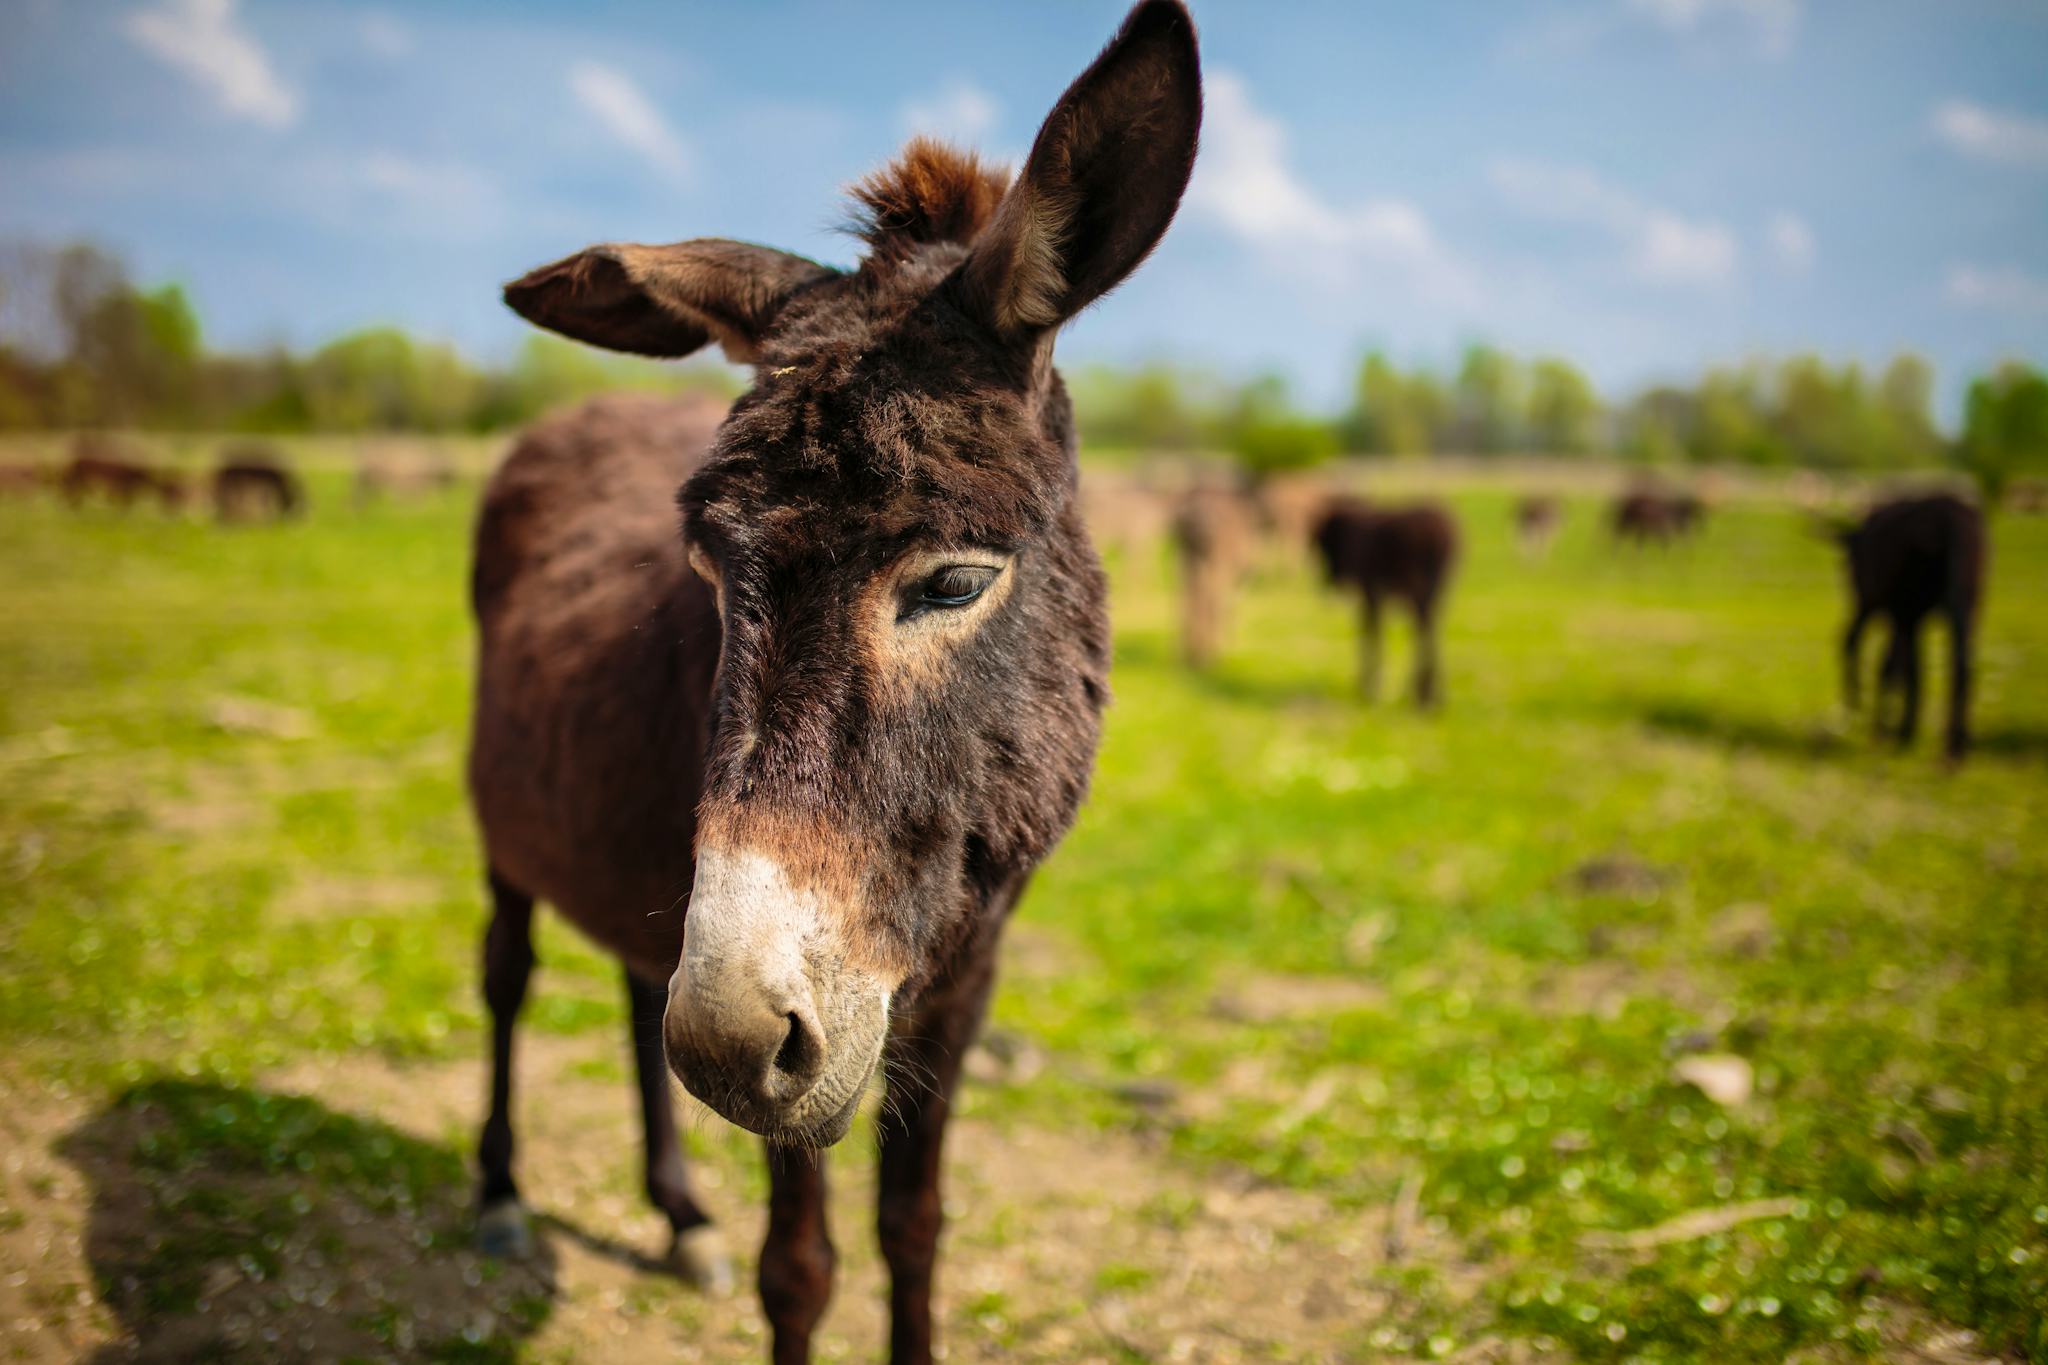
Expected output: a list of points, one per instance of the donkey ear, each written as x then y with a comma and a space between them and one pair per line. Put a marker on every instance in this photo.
665, 300
1102, 182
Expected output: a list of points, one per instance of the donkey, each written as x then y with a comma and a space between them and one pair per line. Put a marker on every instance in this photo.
1537, 517
797, 758
1404, 552
1648, 514
102, 465
1213, 536
252, 481
1907, 560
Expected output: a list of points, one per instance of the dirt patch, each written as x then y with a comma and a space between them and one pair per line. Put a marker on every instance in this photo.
1061, 1246
1276, 998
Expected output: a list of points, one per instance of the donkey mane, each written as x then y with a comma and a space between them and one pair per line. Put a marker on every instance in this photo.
931, 193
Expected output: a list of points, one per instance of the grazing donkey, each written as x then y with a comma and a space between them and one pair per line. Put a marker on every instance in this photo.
105, 466
1907, 560
1652, 514
251, 482
1404, 552
794, 760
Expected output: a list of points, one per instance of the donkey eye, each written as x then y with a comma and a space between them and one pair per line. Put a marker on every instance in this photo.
953, 586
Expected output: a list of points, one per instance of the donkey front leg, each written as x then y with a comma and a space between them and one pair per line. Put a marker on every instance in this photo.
1369, 650
797, 1258
696, 1252
501, 1228
1959, 629
1852, 658
924, 1066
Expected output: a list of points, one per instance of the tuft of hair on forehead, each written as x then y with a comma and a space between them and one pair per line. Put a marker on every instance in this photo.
930, 193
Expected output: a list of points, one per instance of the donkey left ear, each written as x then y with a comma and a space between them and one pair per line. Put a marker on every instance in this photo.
665, 300
1102, 182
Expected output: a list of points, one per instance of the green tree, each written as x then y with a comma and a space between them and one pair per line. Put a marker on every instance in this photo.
2005, 427
1564, 410
1489, 402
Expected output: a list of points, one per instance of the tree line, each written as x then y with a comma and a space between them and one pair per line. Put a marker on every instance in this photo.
81, 345
1802, 411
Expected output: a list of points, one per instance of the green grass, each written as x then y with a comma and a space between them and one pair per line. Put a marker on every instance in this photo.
193, 892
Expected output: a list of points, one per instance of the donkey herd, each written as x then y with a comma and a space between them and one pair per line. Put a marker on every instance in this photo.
782, 704
250, 480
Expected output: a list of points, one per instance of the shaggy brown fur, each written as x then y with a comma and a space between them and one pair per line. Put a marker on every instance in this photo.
1213, 532
252, 482
799, 670
1402, 552
1910, 559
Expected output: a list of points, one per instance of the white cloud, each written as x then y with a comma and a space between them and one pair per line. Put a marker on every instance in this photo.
385, 35
611, 96
1790, 241
961, 112
1659, 245
201, 39
1243, 182
1989, 135
1771, 24
2004, 289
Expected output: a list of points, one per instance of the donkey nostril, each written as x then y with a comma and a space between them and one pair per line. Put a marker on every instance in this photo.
800, 1057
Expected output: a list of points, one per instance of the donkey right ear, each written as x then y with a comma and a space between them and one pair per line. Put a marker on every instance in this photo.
1102, 182
665, 300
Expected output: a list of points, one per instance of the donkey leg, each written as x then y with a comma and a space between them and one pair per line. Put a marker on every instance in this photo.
697, 1252
924, 1066
501, 1227
797, 1258
1428, 691
1852, 663
1909, 682
1369, 659
1958, 683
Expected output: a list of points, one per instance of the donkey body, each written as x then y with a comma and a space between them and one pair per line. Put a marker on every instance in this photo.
794, 759
252, 482
1910, 559
1214, 537
1537, 517
103, 467
1406, 553
1644, 515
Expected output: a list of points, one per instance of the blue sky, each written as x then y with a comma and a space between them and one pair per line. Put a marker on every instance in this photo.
1646, 186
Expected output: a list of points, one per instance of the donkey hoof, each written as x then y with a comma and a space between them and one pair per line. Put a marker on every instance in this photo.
502, 1230
699, 1259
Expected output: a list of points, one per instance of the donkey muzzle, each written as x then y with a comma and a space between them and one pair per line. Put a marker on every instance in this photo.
767, 1021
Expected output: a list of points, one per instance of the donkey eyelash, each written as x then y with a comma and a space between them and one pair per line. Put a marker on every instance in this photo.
948, 589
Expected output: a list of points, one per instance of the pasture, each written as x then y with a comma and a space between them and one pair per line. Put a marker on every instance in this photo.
1331, 1032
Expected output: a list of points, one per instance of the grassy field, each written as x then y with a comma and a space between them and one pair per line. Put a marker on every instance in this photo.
1332, 1032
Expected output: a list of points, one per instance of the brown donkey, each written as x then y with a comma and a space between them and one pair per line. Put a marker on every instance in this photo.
1910, 559
1402, 552
1214, 537
794, 760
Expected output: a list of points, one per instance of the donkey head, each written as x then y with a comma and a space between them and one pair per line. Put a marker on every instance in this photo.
914, 641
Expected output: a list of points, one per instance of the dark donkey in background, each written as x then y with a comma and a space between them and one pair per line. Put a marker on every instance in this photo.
1401, 552
797, 759
1909, 559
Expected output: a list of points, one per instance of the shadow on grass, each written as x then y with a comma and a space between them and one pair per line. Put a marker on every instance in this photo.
1690, 720
241, 1223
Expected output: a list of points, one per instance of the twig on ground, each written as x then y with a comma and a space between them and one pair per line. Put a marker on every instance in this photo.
1689, 1227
